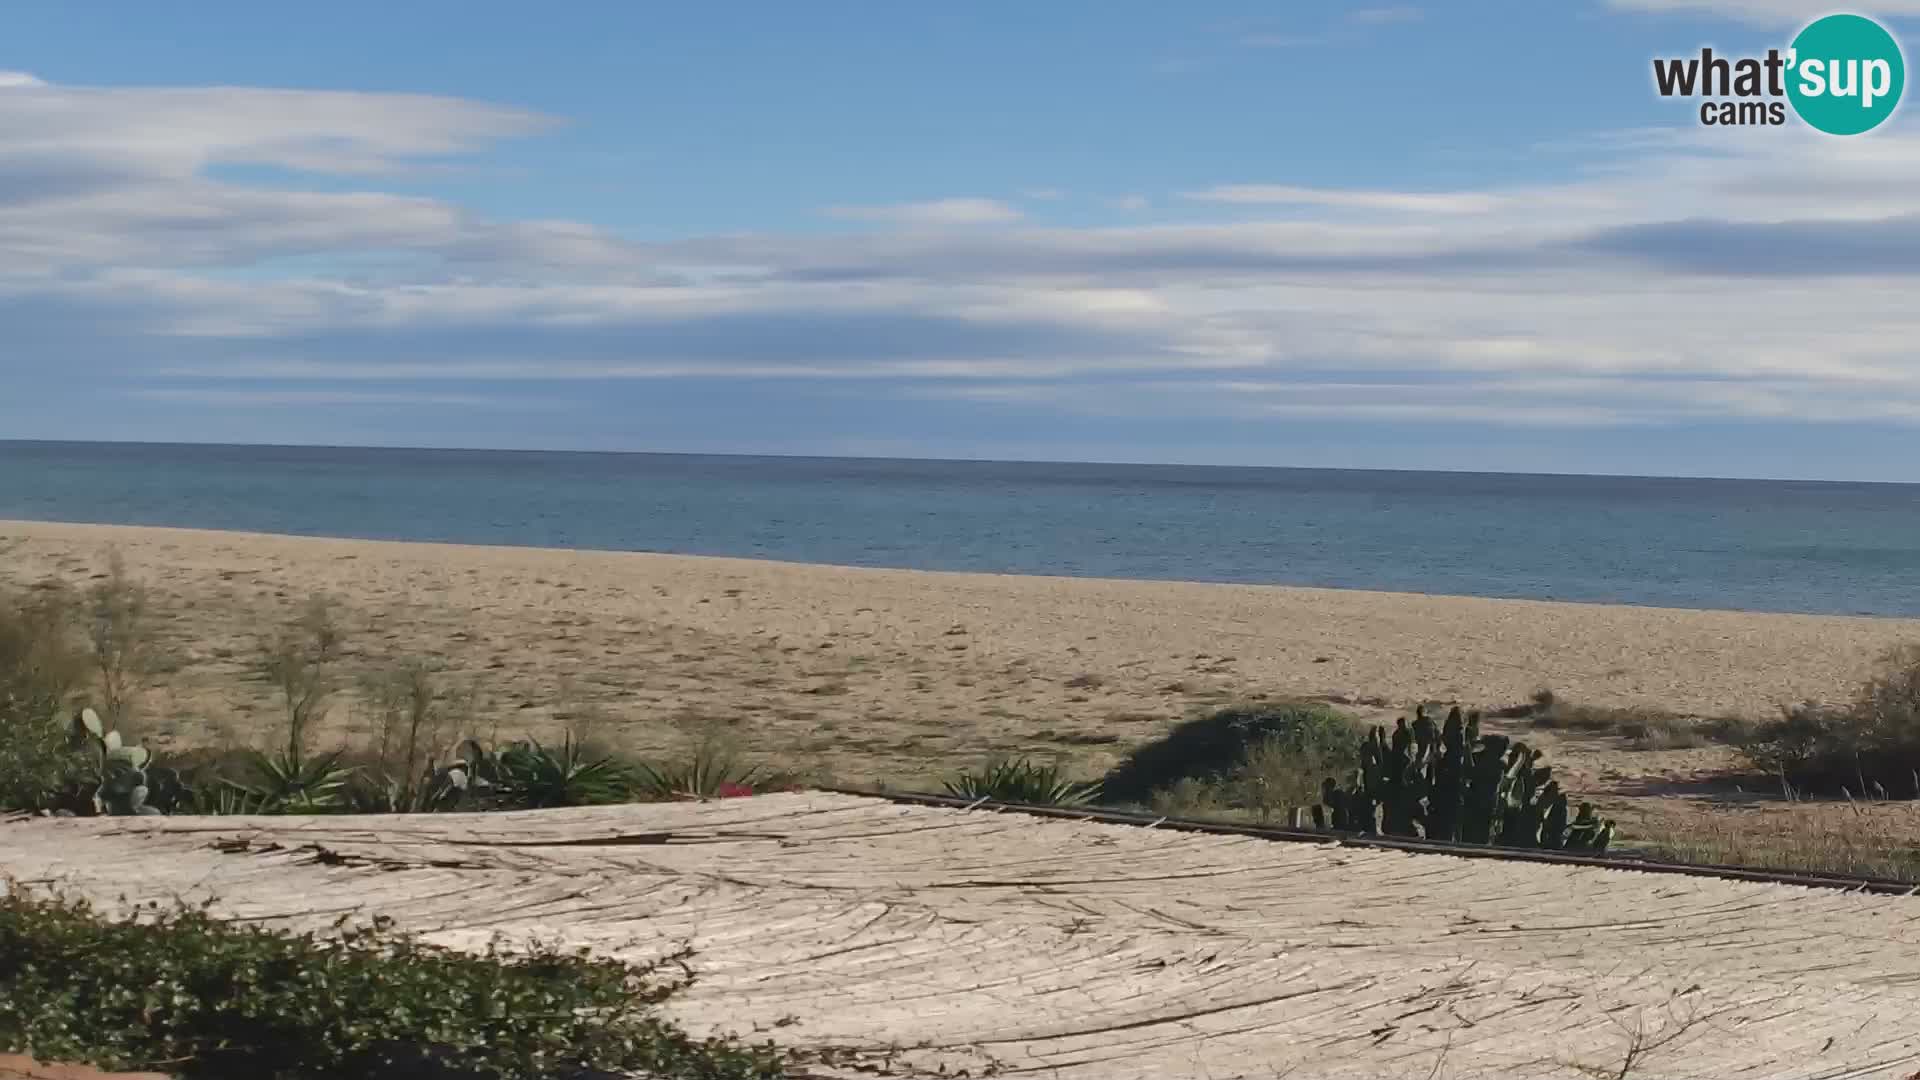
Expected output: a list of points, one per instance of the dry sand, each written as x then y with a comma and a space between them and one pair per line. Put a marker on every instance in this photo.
895, 677
891, 675
1005, 945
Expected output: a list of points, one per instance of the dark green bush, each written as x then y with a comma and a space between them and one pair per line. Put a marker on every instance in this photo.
183, 992
534, 776
1245, 741
521, 775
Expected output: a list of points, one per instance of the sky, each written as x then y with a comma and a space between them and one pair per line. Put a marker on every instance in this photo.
1460, 235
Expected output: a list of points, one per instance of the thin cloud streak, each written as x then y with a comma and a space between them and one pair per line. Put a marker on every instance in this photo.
960, 211
1684, 281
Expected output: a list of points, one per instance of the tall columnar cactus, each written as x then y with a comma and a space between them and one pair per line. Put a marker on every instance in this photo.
1450, 783
122, 779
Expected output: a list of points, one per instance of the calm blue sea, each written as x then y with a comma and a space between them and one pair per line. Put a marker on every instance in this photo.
1757, 545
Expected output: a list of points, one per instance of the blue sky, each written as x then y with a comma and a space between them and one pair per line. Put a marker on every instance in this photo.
1460, 235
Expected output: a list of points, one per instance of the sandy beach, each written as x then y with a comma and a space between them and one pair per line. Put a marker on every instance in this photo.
865, 675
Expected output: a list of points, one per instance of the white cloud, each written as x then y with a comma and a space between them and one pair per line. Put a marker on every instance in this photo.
119, 177
1784, 13
936, 212
1132, 204
14, 79
1410, 202
179, 132
1694, 276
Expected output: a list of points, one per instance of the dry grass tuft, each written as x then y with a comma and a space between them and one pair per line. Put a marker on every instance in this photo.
1645, 728
1867, 839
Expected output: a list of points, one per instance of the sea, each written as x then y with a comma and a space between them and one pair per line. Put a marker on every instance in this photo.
1756, 545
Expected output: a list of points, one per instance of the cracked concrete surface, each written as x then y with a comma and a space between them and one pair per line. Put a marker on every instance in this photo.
927, 937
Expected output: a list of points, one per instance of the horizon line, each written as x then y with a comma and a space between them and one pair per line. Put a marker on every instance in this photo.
949, 460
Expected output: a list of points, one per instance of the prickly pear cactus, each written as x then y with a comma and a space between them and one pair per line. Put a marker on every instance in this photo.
1447, 782
123, 779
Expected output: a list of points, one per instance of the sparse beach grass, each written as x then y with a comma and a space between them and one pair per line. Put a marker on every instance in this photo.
826, 674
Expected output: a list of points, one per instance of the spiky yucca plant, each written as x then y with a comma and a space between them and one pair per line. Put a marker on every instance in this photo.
713, 770
537, 777
1021, 781
286, 783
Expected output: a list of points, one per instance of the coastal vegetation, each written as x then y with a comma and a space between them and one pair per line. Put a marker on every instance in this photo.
1450, 782
1642, 727
182, 991
1265, 757
1824, 787
76, 664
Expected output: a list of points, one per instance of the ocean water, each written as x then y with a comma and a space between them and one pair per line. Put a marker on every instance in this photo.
1846, 548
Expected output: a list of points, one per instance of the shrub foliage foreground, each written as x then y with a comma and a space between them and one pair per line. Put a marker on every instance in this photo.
180, 991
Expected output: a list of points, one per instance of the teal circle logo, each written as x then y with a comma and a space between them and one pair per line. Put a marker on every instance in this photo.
1847, 74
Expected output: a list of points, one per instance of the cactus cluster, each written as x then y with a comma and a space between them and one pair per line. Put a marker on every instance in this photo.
122, 779
1448, 782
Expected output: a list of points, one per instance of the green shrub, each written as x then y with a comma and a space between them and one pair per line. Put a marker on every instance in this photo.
1190, 797
1869, 747
1281, 772
1021, 781
184, 992
533, 776
523, 775
1247, 743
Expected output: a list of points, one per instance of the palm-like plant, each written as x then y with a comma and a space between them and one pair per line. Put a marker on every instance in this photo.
534, 776
1022, 781
714, 770
290, 783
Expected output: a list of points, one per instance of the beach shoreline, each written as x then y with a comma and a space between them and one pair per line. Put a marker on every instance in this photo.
871, 675
20, 527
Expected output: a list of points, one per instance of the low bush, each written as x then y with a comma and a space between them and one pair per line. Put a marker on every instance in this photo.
187, 993
1287, 747
1869, 747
